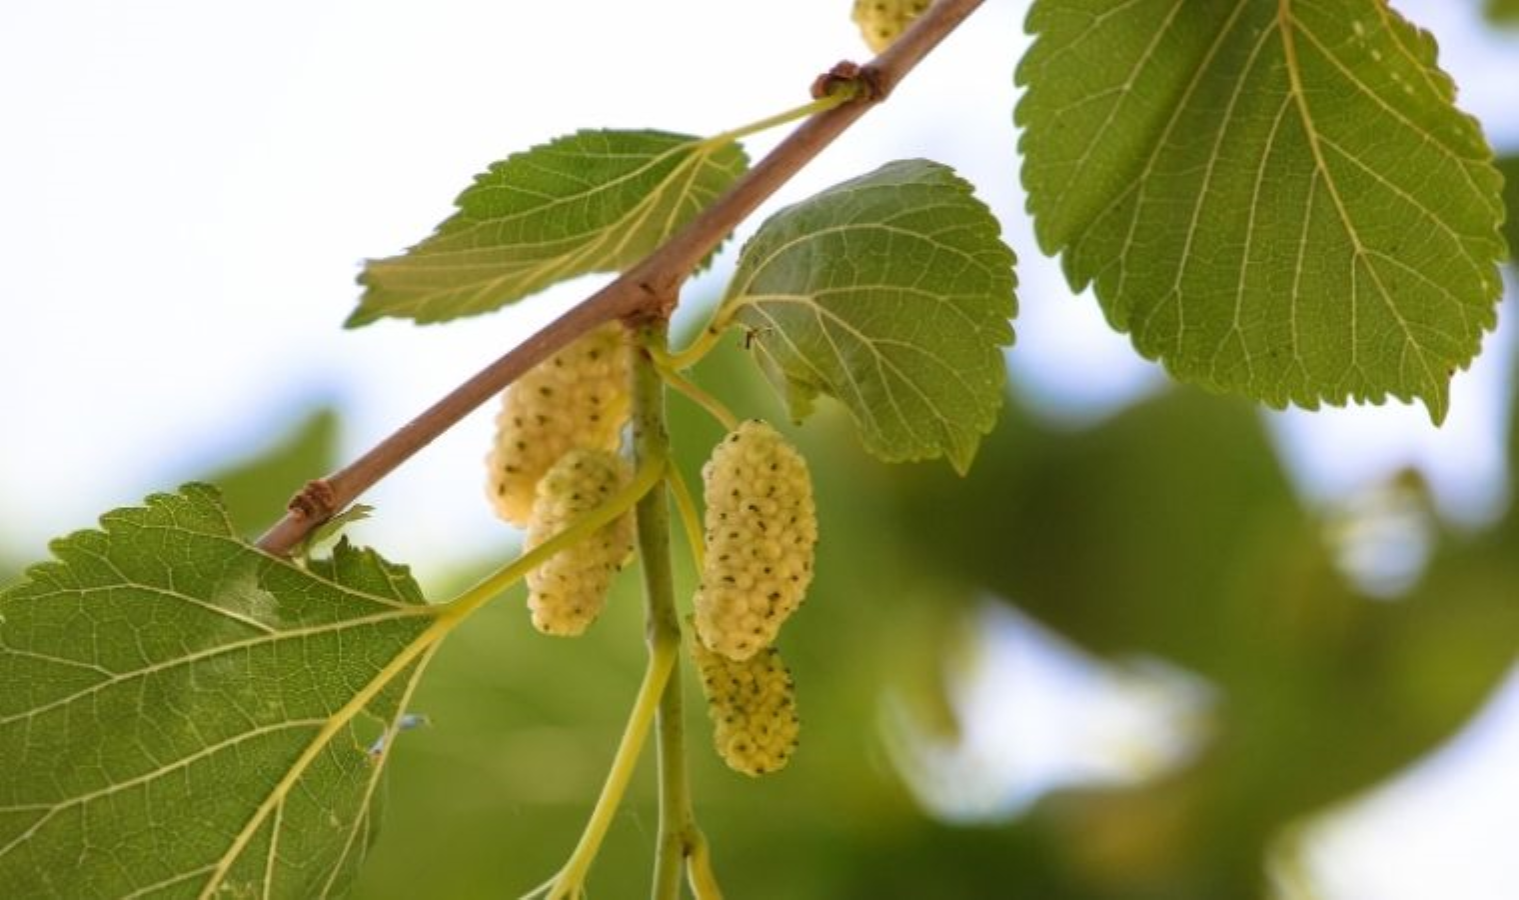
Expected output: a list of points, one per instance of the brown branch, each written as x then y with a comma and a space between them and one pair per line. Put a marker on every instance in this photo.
644, 291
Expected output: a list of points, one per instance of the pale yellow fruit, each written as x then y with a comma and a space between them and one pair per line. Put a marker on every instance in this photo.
577, 398
567, 592
761, 531
753, 708
882, 21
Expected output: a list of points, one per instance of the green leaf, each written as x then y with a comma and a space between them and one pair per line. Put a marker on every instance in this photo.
1278, 199
1509, 166
182, 715
595, 201
891, 293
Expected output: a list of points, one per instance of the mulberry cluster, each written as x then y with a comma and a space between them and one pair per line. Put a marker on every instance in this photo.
883, 21
753, 709
761, 530
577, 398
566, 593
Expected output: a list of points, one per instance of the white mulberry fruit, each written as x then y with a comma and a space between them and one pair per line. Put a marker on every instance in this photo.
579, 397
883, 21
753, 708
761, 530
566, 593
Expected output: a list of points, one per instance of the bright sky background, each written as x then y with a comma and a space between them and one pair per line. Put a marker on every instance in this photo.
187, 190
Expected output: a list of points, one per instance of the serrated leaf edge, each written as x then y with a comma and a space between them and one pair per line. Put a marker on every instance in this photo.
959, 453
1440, 82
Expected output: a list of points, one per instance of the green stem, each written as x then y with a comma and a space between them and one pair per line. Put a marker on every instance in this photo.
674, 795
822, 104
690, 519
699, 869
570, 881
699, 347
706, 401
652, 441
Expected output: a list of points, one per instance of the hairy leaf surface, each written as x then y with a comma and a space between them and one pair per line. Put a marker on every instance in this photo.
891, 293
182, 715
594, 201
1278, 199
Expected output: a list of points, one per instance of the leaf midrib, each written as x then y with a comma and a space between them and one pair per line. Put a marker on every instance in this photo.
588, 243
591, 190
1285, 25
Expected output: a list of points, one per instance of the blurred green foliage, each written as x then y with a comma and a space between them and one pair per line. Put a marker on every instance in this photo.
1170, 532
1503, 12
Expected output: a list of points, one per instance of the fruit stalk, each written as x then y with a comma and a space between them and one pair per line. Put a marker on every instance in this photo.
651, 439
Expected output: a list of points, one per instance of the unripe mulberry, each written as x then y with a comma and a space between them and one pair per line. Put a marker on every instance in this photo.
753, 708
761, 529
579, 397
883, 21
566, 593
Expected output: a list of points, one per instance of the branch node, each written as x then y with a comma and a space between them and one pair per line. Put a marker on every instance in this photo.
865, 83
657, 306
316, 502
